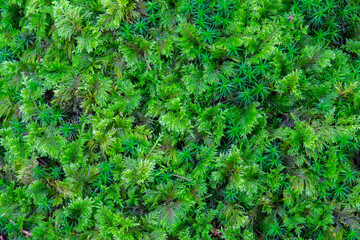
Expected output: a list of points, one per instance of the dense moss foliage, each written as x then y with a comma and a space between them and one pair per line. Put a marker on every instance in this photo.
191, 119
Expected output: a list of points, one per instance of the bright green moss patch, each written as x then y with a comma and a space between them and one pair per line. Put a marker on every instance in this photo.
192, 119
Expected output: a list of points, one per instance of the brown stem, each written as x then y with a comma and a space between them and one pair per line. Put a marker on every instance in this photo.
27, 234
147, 62
182, 177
